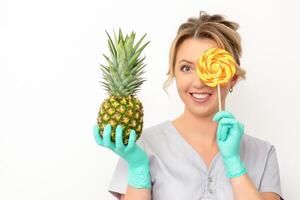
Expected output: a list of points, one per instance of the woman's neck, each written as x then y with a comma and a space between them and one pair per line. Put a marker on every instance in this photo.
202, 130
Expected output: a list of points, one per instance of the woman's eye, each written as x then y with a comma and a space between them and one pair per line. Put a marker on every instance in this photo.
185, 68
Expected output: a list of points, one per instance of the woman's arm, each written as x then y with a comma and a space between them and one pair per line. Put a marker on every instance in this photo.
244, 189
136, 194
229, 136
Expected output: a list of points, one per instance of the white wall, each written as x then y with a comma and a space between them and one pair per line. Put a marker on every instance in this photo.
50, 53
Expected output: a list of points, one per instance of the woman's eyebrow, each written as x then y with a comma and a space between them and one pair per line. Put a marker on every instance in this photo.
183, 60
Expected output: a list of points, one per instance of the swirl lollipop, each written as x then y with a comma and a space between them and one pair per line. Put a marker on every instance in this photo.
216, 67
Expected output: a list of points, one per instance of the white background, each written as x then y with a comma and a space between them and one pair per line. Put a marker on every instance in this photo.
50, 53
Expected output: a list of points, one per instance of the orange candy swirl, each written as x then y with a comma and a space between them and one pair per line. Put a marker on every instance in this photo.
216, 66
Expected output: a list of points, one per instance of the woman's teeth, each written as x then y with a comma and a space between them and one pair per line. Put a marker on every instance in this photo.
200, 96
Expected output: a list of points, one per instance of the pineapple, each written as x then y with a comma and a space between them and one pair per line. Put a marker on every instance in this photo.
122, 80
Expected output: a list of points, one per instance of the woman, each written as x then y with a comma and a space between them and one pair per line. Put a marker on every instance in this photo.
202, 154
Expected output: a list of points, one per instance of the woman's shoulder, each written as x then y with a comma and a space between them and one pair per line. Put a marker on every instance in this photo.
156, 133
254, 144
156, 129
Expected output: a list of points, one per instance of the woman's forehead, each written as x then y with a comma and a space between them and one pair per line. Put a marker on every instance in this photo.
192, 49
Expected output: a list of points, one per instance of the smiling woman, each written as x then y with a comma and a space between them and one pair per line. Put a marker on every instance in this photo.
199, 99
203, 153
216, 29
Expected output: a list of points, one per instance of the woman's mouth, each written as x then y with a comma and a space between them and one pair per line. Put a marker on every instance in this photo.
200, 97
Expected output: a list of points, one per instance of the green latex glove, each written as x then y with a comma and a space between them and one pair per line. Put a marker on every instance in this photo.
229, 136
137, 159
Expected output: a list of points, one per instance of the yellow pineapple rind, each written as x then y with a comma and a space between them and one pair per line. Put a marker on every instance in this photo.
125, 111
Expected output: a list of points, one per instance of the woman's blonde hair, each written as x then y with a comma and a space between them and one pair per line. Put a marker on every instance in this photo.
214, 27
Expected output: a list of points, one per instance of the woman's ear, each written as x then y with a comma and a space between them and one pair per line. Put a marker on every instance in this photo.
233, 81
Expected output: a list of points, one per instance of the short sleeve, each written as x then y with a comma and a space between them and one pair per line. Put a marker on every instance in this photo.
118, 183
271, 178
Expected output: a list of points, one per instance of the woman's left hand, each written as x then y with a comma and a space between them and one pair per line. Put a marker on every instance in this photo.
229, 136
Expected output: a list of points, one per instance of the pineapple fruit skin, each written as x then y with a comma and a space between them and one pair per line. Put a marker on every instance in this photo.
126, 111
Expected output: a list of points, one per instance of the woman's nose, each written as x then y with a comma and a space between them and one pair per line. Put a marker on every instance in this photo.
197, 83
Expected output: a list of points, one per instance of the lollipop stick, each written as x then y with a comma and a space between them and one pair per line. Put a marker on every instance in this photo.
219, 98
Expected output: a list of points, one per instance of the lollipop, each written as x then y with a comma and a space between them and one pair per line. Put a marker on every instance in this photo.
216, 67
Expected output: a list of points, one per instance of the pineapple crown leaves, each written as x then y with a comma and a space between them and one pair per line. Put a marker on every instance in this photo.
122, 74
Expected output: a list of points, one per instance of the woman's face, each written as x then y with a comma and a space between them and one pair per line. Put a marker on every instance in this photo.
204, 102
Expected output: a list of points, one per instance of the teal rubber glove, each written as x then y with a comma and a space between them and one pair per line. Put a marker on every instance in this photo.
229, 136
137, 159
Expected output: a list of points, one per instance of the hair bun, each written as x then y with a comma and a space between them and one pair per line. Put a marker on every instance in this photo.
217, 18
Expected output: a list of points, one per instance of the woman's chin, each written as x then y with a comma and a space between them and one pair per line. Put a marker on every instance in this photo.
203, 112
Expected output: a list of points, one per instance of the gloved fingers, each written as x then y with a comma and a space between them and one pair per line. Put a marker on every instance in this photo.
225, 132
219, 132
228, 121
131, 141
237, 127
106, 136
242, 126
97, 135
119, 138
221, 114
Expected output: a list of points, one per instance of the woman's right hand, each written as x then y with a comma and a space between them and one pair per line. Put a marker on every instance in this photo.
137, 159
